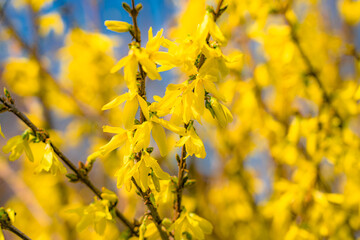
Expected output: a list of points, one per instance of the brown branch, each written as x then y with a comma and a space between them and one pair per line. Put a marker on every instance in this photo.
182, 162
16, 231
142, 92
153, 211
80, 174
311, 69
180, 185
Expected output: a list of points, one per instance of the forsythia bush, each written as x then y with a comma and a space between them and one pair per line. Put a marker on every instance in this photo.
256, 135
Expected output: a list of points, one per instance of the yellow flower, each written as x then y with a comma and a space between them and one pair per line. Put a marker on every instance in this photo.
96, 214
193, 144
122, 136
222, 113
182, 55
154, 126
166, 194
209, 26
183, 101
216, 62
50, 163
186, 101
191, 224
17, 145
133, 100
140, 171
145, 56
141, 138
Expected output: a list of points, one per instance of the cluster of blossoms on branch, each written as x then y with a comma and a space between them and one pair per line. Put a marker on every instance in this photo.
199, 57
276, 125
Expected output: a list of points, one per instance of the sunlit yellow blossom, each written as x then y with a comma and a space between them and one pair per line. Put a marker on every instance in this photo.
216, 62
156, 126
17, 145
193, 144
191, 224
166, 193
122, 137
182, 55
222, 113
208, 26
96, 214
145, 56
50, 163
133, 100
140, 171
186, 101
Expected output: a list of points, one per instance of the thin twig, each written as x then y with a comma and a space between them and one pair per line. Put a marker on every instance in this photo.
81, 176
311, 69
179, 190
17, 232
153, 211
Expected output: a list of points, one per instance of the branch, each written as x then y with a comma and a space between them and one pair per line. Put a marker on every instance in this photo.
134, 11
180, 186
153, 211
182, 160
17, 232
80, 173
311, 69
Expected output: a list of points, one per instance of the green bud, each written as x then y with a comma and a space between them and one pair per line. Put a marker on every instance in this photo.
126, 7
8, 96
166, 223
152, 199
187, 236
222, 10
155, 181
149, 149
72, 177
190, 182
178, 158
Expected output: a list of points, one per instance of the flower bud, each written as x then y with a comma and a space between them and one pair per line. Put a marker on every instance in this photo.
222, 114
118, 26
